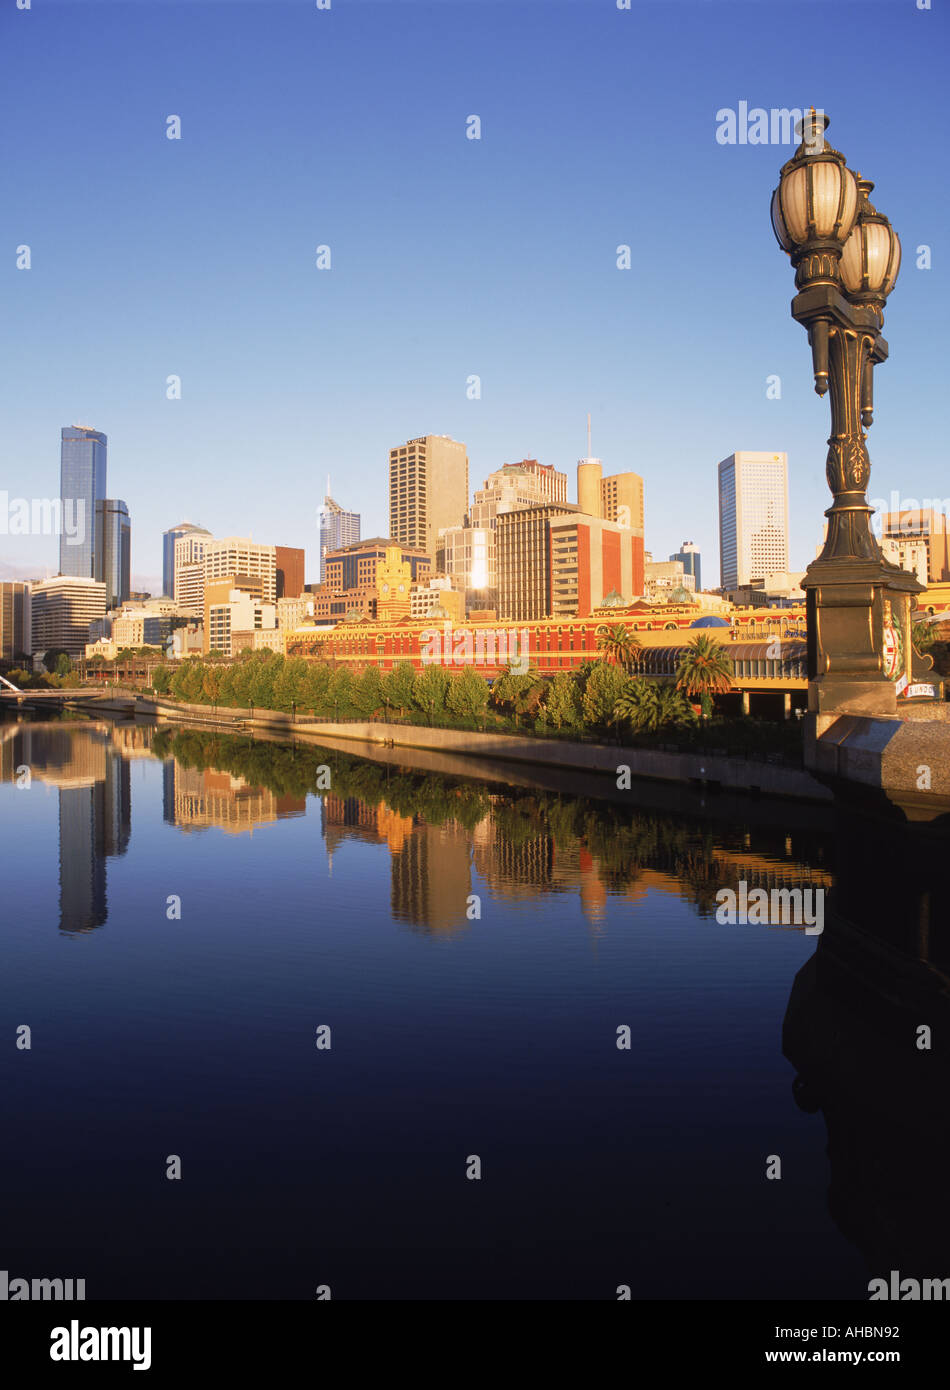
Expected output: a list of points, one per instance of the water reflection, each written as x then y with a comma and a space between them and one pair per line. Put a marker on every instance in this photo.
205, 799
448, 838
88, 764
706, 1000
855, 1031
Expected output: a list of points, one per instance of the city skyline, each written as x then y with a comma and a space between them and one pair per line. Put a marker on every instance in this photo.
216, 276
168, 537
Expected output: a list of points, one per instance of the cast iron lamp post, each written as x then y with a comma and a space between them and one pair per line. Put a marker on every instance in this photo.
846, 257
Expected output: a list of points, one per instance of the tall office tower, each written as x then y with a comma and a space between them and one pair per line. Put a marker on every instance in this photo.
188, 587
467, 553
428, 490
113, 546
237, 555
169, 541
82, 483
753, 517
63, 608
590, 560
621, 500
337, 529
16, 635
523, 560
689, 558
551, 485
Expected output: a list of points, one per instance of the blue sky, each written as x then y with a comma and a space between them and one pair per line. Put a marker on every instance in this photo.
450, 257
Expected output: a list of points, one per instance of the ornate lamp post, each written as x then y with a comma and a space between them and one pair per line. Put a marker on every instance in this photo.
846, 257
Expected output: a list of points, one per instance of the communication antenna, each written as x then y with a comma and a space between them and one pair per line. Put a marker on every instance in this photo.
588, 434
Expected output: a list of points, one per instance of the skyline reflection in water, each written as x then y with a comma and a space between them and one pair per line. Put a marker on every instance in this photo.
563, 918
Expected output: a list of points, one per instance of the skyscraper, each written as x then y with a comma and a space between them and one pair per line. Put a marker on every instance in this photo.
16, 620
337, 529
168, 553
689, 558
113, 546
428, 489
82, 484
466, 553
188, 574
753, 517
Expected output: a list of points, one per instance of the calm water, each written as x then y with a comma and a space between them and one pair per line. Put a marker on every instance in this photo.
452, 1035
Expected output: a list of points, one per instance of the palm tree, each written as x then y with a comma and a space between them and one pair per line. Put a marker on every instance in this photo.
672, 705
650, 705
637, 705
704, 670
618, 644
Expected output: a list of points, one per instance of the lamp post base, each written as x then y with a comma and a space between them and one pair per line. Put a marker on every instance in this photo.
861, 657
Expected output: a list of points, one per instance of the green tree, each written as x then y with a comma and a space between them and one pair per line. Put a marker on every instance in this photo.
601, 693
315, 687
265, 670
429, 690
704, 670
467, 694
211, 685
562, 702
63, 665
619, 645
290, 683
340, 693
161, 680
397, 688
188, 680
367, 697
651, 705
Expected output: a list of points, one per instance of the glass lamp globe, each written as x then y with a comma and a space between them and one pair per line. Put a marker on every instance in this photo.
872, 254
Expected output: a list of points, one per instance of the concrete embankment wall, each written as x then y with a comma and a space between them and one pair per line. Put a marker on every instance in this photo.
735, 774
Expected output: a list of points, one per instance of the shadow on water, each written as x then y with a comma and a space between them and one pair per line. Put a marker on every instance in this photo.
868, 1031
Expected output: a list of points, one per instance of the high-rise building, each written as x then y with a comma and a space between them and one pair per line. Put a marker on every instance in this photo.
428, 490
523, 560
169, 541
591, 560
289, 561
621, 500
618, 498
237, 555
188, 584
926, 524
16, 636
62, 610
753, 517
689, 558
466, 553
113, 546
337, 529
82, 484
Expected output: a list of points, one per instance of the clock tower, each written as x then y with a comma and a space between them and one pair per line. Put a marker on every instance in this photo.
393, 578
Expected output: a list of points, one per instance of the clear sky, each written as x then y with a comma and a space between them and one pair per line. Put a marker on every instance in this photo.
451, 257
